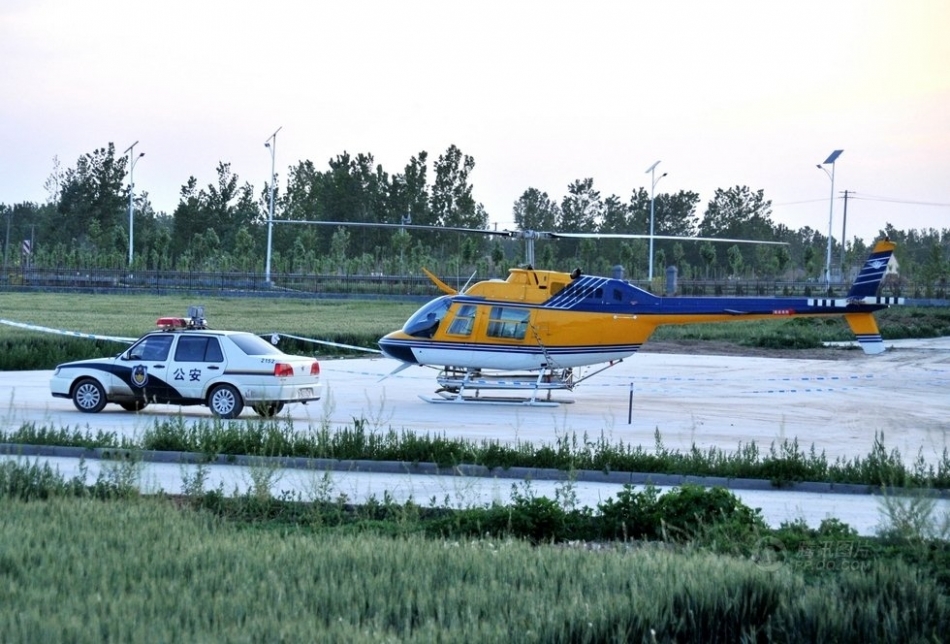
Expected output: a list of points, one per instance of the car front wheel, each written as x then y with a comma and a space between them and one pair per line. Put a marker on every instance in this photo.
89, 396
225, 402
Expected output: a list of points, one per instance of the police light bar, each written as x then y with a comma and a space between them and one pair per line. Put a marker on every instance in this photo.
195, 320
172, 323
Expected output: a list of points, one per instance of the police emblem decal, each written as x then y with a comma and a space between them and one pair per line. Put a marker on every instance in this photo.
139, 375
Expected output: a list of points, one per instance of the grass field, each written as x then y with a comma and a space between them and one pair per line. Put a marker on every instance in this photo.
170, 574
134, 315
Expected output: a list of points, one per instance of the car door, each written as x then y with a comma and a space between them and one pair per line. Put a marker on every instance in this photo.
146, 362
198, 360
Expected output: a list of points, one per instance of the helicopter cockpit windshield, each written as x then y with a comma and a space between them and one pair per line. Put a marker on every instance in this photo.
425, 321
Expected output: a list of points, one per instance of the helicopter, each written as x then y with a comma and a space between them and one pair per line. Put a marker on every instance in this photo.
531, 331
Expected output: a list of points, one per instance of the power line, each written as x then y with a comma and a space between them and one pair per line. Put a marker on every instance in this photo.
867, 197
796, 203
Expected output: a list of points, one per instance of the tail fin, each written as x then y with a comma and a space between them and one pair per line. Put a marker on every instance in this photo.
864, 327
872, 273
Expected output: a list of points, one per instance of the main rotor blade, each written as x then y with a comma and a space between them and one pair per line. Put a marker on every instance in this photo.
670, 237
369, 224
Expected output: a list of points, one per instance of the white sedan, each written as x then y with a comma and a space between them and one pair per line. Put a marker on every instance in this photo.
183, 364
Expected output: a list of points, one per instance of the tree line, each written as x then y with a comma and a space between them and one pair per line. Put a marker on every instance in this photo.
223, 226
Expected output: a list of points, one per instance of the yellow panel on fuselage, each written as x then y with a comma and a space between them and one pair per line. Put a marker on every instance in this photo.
522, 285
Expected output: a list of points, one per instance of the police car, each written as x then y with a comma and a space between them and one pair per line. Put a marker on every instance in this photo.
185, 363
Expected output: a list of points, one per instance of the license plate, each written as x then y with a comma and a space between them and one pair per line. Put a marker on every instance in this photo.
306, 392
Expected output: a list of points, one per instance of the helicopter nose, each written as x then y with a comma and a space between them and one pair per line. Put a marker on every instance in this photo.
397, 350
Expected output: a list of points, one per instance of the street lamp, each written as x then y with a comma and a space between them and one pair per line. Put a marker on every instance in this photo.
132, 161
270, 143
653, 181
831, 208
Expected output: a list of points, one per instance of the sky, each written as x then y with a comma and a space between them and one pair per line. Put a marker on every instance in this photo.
540, 94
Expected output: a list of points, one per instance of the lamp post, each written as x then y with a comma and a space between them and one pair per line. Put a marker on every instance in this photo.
271, 144
831, 207
653, 181
132, 161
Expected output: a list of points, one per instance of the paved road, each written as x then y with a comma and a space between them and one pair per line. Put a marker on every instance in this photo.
709, 401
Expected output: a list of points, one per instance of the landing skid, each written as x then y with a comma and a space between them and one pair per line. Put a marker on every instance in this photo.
448, 398
459, 386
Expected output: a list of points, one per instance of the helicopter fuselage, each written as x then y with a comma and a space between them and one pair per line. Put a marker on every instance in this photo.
538, 319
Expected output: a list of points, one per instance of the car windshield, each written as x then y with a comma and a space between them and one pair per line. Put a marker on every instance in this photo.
254, 345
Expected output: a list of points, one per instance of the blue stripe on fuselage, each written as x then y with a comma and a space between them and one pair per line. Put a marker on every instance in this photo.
619, 297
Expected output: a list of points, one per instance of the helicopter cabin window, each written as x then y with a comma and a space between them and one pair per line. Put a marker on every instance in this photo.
425, 322
506, 322
464, 321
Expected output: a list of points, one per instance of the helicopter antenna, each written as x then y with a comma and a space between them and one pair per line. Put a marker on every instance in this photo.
465, 288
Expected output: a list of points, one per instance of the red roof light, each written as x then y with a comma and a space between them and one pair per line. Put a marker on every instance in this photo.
172, 323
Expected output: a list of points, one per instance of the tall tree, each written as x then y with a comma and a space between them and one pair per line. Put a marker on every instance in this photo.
581, 212
451, 201
187, 218
409, 192
673, 214
581, 209
739, 213
534, 210
92, 197
614, 221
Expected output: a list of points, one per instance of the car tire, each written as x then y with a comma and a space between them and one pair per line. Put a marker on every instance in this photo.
137, 405
225, 402
268, 409
89, 396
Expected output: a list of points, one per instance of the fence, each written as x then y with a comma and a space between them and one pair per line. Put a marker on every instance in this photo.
376, 286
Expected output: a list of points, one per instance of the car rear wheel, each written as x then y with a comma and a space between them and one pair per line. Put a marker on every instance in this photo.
225, 402
268, 409
137, 405
89, 396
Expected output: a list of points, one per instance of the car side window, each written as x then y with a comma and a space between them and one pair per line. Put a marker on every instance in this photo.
213, 352
198, 349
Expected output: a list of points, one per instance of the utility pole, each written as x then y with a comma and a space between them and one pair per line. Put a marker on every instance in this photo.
831, 208
6, 246
270, 144
132, 161
844, 239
